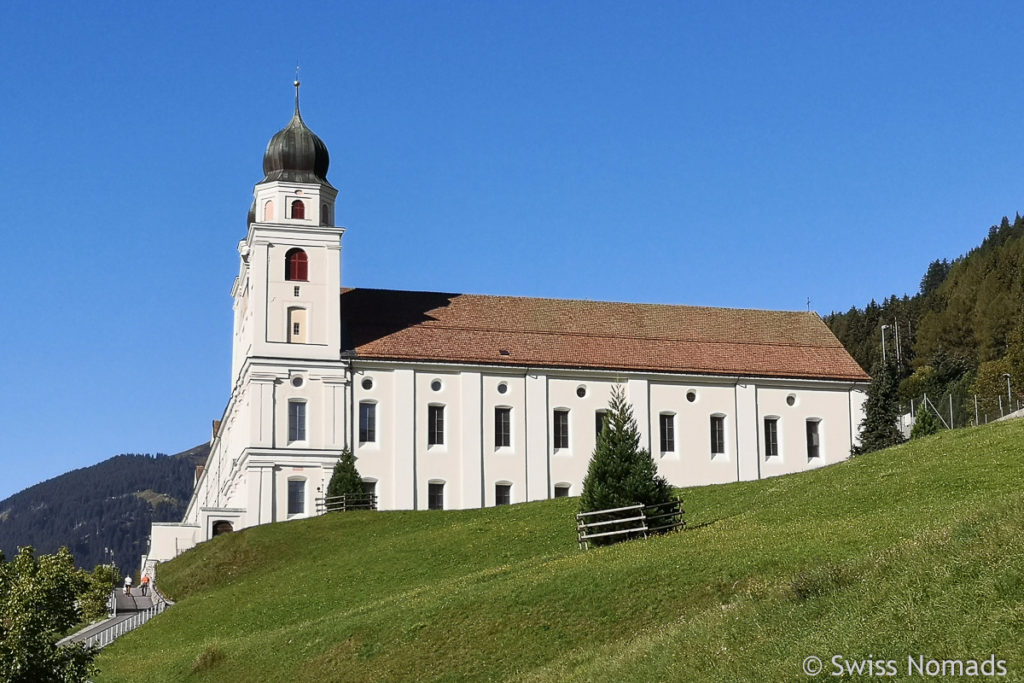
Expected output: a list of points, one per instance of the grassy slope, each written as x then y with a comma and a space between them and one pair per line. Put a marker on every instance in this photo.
915, 550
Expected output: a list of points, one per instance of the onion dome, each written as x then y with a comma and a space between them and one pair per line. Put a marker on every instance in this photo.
295, 153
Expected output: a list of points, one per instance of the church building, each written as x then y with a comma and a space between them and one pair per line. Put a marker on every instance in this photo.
454, 401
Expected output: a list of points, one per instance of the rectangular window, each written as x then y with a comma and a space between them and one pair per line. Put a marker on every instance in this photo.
771, 436
435, 496
561, 429
668, 432
502, 427
296, 421
600, 417
296, 496
503, 494
367, 422
561, 491
370, 488
717, 435
813, 450
296, 290
435, 426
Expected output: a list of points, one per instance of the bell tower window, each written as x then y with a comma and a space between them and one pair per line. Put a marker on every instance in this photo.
325, 216
296, 265
298, 209
268, 211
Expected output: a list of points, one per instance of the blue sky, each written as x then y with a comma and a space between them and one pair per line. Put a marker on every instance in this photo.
715, 153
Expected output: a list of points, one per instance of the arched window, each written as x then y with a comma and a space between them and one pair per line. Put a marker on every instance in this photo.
298, 209
268, 211
325, 216
295, 265
222, 527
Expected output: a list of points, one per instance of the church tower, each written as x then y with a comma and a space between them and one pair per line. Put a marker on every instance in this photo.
288, 287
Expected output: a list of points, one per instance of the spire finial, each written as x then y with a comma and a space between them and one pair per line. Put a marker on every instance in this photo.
296, 84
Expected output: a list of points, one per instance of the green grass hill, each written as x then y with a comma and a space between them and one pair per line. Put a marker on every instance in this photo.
916, 551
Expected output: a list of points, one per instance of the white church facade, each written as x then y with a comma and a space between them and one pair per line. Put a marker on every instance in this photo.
457, 401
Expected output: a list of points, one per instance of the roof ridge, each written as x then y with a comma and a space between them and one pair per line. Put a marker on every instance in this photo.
582, 301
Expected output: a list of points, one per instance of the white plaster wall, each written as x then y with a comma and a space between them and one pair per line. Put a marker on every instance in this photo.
506, 463
441, 462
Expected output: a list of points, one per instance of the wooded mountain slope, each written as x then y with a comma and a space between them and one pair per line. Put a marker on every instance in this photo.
959, 334
108, 505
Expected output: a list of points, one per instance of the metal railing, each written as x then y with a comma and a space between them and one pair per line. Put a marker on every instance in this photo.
618, 524
354, 501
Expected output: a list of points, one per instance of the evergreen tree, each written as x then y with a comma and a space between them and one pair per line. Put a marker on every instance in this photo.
925, 423
345, 480
878, 429
620, 472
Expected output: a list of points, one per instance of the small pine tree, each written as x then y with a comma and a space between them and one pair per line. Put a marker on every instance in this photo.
878, 429
620, 472
925, 423
345, 480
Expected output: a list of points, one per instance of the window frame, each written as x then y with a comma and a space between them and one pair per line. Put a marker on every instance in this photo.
771, 436
560, 428
297, 209
367, 422
296, 265
502, 493
300, 499
813, 428
600, 420
435, 491
667, 432
435, 424
297, 421
717, 434
502, 427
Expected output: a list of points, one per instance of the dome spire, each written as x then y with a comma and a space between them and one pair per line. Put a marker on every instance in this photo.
295, 153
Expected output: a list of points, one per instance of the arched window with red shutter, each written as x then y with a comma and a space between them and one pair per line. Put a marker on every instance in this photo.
296, 265
298, 209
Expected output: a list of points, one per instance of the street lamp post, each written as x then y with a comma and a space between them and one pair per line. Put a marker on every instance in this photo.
884, 328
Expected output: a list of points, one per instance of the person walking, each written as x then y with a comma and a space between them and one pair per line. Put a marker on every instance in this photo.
128, 584
144, 584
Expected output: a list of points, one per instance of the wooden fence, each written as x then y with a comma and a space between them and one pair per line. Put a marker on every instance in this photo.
619, 524
355, 501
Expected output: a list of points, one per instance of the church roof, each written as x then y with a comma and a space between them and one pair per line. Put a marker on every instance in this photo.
502, 330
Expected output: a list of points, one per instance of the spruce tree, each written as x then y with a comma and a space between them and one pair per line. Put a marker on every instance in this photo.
345, 480
620, 472
878, 429
925, 423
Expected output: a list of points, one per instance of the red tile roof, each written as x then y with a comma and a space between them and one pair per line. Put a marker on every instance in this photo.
503, 330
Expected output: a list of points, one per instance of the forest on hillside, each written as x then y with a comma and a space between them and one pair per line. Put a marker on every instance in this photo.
101, 513
958, 337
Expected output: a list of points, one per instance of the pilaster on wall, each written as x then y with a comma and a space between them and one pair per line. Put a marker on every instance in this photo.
537, 441
405, 455
261, 406
747, 452
335, 410
472, 440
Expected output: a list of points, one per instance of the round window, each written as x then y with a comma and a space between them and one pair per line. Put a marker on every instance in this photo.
296, 381
581, 391
691, 395
436, 385
791, 400
502, 388
367, 384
